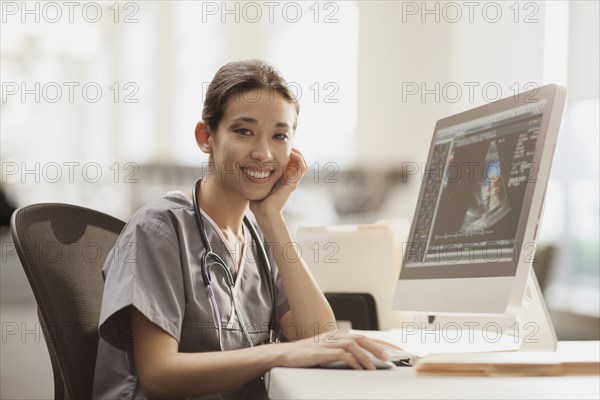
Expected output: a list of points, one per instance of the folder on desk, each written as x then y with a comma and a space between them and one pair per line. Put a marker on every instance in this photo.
509, 363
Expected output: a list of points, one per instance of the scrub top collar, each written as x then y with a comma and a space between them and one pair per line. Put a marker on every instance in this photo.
238, 264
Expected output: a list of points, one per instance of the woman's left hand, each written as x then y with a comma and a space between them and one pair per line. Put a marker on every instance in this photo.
283, 188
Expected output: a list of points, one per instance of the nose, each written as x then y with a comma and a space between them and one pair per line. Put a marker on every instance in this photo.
261, 151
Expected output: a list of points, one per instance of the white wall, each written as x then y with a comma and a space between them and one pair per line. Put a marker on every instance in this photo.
393, 53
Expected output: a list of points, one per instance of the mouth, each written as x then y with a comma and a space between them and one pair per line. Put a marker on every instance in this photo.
258, 176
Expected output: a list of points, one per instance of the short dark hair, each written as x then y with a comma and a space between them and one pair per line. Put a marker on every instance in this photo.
238, 77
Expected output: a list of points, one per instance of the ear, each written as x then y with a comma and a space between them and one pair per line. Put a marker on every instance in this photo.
203, 137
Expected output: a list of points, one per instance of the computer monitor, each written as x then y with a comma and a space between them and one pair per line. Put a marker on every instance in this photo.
472, 238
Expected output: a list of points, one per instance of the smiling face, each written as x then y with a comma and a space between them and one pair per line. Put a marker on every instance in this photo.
253, 142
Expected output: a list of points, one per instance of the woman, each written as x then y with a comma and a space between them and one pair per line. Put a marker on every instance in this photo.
158, 338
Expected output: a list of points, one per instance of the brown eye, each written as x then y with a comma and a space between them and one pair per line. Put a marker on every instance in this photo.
243, 131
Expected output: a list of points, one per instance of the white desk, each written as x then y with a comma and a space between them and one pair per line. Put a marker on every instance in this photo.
404, 383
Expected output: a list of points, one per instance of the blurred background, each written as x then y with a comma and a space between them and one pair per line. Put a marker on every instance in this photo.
100, 101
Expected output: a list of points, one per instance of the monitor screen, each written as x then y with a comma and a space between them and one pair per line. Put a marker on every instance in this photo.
473, 189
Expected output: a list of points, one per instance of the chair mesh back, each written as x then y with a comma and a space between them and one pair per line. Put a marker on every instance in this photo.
62, 249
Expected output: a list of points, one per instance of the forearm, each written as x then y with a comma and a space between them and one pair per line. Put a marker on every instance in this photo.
198, 374
311, 311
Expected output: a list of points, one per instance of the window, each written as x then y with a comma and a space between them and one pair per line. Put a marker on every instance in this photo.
572, 210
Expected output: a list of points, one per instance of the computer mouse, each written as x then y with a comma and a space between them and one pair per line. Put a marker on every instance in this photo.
378, 363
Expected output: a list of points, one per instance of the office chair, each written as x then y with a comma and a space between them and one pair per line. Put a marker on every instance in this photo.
358, 308
62, 249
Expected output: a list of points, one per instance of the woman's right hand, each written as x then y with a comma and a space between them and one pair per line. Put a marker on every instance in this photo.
330, 346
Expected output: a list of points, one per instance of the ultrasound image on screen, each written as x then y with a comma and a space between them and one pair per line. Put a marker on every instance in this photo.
490, 200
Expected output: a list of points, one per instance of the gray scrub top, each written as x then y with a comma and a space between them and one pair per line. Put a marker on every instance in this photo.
155, 266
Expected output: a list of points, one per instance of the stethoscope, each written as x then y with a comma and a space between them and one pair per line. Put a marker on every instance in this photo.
210, 258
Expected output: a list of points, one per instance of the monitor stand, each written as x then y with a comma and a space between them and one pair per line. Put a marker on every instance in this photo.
535, 328
530, 330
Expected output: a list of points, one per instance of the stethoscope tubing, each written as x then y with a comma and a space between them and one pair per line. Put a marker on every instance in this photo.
205, 267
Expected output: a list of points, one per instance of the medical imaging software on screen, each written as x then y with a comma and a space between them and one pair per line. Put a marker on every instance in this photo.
474, 186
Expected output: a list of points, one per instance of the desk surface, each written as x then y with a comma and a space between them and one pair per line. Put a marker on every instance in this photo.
405, 383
